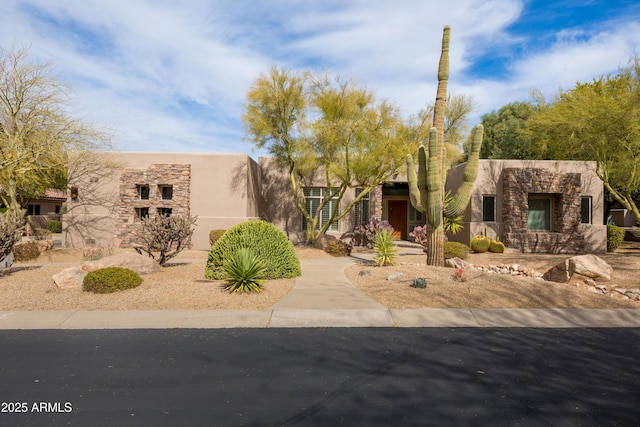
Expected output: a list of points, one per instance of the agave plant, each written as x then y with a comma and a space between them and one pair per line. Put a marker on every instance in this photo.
244, 272
385, 249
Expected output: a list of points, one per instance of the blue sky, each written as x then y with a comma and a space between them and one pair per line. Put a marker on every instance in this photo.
172, 76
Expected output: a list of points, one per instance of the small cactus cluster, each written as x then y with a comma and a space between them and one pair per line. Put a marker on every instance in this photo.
481, 244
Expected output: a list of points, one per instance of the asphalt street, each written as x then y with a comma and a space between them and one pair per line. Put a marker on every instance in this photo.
321, 377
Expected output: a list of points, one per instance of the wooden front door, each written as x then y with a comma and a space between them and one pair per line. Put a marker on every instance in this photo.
397, 214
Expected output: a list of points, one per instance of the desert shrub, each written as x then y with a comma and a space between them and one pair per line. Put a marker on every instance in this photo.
615, 236
266, 242
480, 244
368, 230
164, 236
110, 279
496, 246
244, 272
455, 250
214, 235
385, 249
26, 251
41, 234
54, 226
338, 248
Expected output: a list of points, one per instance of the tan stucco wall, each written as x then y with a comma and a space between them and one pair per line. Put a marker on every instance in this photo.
489, 182
224, 192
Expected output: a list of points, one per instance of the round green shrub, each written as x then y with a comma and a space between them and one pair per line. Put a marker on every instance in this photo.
110, 279
480, 244
496, 246
455, 250
267, 243
25, 251
214, 235
615, 236
54, 226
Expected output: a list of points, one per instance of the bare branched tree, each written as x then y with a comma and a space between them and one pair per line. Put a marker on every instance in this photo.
36, 129
165, 236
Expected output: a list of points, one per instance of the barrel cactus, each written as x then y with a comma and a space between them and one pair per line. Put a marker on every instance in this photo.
496, 246
480, 244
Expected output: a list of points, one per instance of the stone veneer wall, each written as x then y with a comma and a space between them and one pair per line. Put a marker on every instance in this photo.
176, 175
565, 189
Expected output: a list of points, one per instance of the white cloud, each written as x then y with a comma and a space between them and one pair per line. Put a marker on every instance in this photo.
173, 76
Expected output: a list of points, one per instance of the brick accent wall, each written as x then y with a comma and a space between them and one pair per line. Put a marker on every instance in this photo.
565, 192
157, 176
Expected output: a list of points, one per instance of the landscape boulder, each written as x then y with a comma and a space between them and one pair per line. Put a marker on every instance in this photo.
44, 245
457, 263
69, 278
73, 277
141, 264
590, 266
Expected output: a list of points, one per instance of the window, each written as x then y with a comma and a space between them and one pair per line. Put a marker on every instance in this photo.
33, 210
74, 193
314, 197
489, 208
166, 191
57, 209
143, 192
585, 210
539, 213
414, 214
164, 211
362, 208
142, 212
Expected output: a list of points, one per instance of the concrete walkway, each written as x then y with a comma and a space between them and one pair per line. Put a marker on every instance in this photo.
323, 297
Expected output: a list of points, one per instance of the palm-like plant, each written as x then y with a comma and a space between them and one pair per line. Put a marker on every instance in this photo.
385, 249
244, 272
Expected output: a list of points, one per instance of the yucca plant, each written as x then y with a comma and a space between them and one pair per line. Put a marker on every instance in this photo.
385, 249
244, 272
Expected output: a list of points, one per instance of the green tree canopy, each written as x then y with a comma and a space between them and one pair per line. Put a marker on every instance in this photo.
314, 125
597, 121
504, 132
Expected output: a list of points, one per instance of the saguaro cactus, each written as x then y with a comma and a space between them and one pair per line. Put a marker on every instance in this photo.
426, 189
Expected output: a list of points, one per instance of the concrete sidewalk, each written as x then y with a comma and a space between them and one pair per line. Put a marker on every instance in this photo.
323, 297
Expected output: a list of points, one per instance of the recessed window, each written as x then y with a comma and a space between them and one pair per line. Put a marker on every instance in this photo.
488, 208
33, 210
143, 192
315, 196
539, 212
415, 215
142, 212
74, 193
166, 191
164, 211
585, 210
361, 208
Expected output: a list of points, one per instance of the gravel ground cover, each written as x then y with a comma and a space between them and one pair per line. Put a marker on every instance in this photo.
181, 285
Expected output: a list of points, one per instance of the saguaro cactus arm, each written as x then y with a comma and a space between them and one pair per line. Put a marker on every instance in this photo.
460, 200
412, 178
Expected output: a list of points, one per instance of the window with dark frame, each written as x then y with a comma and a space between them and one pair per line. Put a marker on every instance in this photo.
585, 210
164, 211
142, 213
361, 209
166, 191
33, 210
143, 192
488, 208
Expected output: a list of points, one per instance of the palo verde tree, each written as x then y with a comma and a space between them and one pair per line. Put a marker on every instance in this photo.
597, 121
36, 130
426, 188
328, 131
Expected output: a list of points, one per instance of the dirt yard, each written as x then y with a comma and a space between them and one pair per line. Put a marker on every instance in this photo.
181, 285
